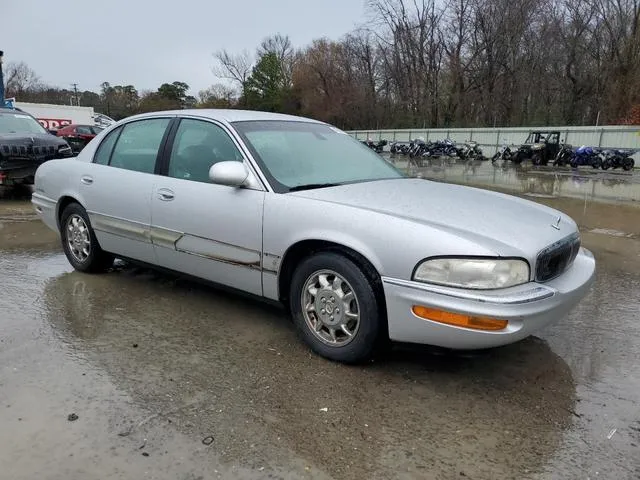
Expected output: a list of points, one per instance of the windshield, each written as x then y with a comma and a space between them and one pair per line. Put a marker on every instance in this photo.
295, 154
19, 123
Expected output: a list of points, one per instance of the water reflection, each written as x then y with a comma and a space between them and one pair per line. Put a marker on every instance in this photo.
225, 364
584, 183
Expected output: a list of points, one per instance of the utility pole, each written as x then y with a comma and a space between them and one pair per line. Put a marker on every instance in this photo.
1, 81
75, 91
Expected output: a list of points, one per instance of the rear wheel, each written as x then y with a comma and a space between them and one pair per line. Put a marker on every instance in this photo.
79, 241
335, 308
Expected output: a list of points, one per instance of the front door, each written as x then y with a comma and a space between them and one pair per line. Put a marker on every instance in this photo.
210, 231
117, 187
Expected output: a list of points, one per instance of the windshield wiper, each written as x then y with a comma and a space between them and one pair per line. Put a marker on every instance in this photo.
310, 186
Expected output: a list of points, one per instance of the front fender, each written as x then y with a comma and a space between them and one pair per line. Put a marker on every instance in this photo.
392, 244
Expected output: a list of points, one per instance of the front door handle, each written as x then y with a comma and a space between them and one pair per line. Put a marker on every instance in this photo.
86, 179
165, 194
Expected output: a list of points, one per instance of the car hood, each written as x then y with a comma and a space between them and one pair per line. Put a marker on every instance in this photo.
39, 139
505, 224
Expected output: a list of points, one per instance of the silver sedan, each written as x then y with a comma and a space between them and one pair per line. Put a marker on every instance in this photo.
296, 211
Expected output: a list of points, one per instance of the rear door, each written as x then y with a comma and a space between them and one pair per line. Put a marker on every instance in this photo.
118, 185
203, 229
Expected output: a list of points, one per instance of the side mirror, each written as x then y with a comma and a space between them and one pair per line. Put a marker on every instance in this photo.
233, 174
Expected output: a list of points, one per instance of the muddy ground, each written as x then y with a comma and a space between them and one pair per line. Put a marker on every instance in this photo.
170, 379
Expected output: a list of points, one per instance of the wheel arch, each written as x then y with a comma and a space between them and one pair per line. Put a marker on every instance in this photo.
305, 248
63, 202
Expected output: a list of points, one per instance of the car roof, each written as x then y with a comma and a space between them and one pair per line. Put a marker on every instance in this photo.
228, 115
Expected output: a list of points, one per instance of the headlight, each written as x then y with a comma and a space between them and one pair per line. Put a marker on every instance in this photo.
476, 273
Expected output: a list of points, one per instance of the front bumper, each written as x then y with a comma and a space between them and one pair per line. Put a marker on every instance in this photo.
527, 308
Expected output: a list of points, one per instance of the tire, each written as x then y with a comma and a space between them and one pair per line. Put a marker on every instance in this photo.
370, 333
628, 164
536, 159
83, 252
596, 162
606, 164
517, 158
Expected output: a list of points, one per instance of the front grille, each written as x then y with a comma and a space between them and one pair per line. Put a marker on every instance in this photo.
556, 258
35, 153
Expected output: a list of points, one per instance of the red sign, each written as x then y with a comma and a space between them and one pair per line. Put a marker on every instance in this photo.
50, 123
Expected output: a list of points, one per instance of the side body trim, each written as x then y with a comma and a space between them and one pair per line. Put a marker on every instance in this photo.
178, 241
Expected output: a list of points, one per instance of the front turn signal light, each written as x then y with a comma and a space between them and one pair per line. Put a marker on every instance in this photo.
459, 319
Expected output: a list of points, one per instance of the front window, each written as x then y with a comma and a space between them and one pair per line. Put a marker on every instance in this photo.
20, 123
197, 146
298, 155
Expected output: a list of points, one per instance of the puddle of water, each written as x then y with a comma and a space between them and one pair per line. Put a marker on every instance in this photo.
542, 182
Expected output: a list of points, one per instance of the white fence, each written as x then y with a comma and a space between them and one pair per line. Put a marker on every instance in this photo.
490, 139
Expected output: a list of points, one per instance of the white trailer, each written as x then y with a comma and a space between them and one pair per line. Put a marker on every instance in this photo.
55, 116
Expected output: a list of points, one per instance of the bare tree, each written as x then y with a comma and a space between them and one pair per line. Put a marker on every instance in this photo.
217, 96
234, 67
281, 46
19, 78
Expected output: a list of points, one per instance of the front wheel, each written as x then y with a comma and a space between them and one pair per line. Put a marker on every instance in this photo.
628, 164
536, 159
335, 308
79, 241
596, 162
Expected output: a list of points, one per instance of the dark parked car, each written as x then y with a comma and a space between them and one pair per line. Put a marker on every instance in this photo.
540, 147
24, 146
78, 135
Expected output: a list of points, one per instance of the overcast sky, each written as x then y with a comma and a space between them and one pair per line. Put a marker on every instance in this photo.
146, 42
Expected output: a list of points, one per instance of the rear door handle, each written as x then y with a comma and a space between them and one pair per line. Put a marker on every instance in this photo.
165, 194
86, 179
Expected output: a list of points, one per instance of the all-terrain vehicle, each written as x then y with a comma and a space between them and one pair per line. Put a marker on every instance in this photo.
540, 147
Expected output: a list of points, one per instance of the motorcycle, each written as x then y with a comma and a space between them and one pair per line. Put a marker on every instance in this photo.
504, 153
564, 156
470, 151
377, 147
586, 156
418, 148
402, 148
618, 158
442, 148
